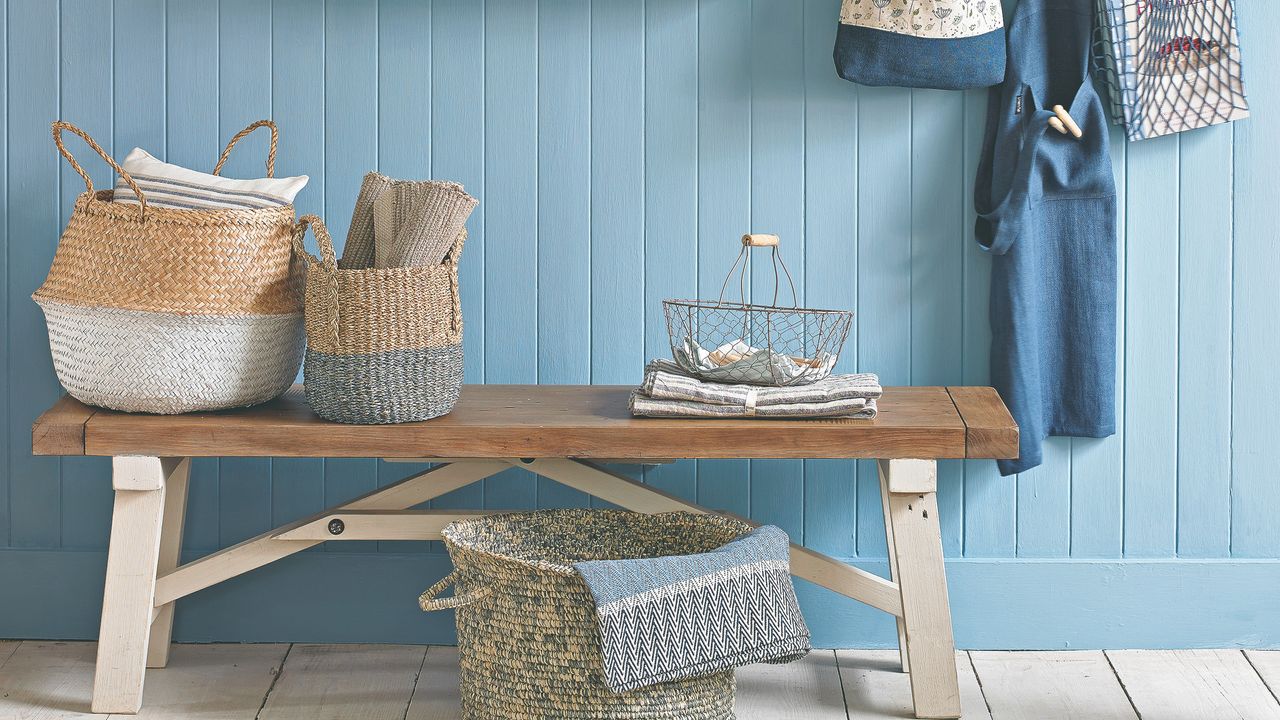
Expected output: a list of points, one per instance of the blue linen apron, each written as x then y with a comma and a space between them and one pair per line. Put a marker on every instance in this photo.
1046, 207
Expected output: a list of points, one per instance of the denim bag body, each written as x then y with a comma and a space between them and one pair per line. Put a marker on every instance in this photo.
940, 44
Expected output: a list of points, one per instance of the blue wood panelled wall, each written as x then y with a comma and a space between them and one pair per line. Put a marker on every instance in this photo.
619, 148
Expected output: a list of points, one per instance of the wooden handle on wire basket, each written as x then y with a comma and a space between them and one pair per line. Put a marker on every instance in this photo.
760, 240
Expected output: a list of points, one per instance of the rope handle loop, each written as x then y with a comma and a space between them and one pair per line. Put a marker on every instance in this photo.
271, 148
430, 601
328, 260
59, 126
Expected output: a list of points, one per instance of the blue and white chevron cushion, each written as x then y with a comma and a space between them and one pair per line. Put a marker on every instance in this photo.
685, 616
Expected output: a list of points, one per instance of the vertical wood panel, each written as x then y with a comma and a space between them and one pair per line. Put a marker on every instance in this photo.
1255, 384
1151, 349
6, 467
884, 268
831, 255
350, 151
511, 215
457, 142
617, 191
670, 189
33, 211
937, 292
777, 206
244, 96
990, 501
1044, 503
86, 101
1097, 465
564, 206
1204, 343
297, 106
724, 190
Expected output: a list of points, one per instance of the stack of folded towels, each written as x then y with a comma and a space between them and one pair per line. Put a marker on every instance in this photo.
670, 391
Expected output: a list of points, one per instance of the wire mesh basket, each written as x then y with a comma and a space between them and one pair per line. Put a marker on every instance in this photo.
1169, 65
744, 343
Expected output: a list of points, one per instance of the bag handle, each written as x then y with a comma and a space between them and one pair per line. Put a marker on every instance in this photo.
271, 148
328, 259
59, 126
430, 601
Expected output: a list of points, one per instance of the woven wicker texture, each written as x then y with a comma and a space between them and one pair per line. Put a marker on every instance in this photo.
168, 311
528, 640
138, 361
381, 388
397, 331
191, 262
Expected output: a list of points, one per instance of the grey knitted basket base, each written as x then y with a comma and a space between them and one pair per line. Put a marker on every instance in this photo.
381, 388
139, 361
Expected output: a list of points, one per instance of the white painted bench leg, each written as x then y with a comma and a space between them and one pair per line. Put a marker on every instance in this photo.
893, 569
926, 615
175, 513
129, 591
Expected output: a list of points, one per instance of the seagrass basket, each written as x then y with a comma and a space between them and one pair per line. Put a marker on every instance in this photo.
528, 642
172, 310
384, 344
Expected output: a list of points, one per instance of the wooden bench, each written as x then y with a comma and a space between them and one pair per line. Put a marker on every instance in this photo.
559, 432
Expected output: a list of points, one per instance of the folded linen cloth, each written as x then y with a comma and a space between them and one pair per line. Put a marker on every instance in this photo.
669, 391
685, 616
853, 408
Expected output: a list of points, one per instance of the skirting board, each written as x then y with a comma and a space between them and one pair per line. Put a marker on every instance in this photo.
996, 604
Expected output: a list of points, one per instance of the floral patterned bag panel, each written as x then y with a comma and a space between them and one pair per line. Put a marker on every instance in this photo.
943, 44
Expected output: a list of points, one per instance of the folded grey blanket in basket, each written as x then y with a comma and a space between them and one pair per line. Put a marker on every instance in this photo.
685, 616
668, 391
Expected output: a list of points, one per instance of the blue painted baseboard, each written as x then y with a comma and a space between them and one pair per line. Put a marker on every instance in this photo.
996, 604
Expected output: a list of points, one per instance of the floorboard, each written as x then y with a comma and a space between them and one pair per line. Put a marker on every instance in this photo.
1061, 685
1193, 684
47, 681
211, 682
807, 689
876, 687
6, 649
339, 682
1267, 664
435, 697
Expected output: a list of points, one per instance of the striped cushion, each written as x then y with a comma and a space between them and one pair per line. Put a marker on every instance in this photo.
172, 186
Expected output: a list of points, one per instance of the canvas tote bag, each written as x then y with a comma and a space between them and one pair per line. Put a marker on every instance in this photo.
940, 44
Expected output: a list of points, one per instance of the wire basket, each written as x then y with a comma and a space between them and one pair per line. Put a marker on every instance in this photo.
743, 343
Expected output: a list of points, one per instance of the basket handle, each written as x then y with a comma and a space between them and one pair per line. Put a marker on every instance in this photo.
271, 148
59, 126
430, 601
328, 259
755, 240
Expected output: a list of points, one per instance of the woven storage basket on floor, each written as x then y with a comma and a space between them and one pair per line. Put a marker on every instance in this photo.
384, 345
528, 642
167, 310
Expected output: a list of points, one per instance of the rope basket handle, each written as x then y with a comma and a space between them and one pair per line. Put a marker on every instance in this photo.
271, 148
430, 601
59, 126
328, 259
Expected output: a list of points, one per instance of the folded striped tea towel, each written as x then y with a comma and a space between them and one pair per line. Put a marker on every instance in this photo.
685, 616
669, 391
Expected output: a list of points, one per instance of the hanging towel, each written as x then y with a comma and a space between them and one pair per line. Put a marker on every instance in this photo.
669, 391
1046, 208
686, 616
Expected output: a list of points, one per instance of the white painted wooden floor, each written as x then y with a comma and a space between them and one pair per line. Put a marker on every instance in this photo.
52, 680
